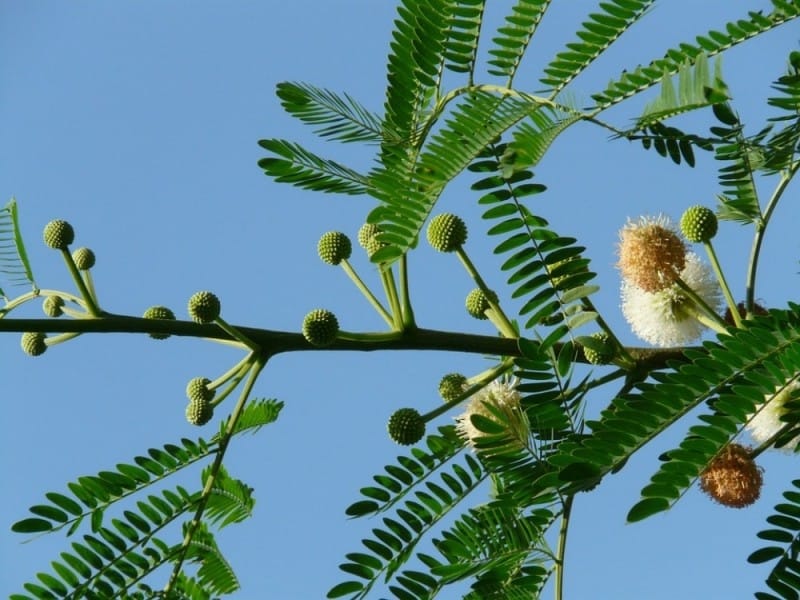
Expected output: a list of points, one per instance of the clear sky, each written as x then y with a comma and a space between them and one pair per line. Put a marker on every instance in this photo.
138, 123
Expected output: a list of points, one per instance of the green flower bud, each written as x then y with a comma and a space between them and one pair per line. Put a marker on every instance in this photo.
53, 305
199, 411
197, 389
602, 355
204, 307
373, 245
320, 327
33, 343
699, 224
452, 386
447, 232
58, 234
83, 258
334, 247
477, 303
159, 312
406, 426
366, 233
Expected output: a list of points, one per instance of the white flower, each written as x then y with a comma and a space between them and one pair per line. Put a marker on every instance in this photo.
661, 317
502, 396
766, 421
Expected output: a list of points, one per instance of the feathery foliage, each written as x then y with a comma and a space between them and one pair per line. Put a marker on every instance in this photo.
14, 265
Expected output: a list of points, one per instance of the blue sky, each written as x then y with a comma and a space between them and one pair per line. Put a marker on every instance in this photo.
138, 123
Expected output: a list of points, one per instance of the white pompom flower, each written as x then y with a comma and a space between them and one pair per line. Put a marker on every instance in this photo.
501, 395
766, 421
666, 318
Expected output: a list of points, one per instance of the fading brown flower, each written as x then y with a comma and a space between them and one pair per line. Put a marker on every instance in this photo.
758, 310
732, 478
651, 254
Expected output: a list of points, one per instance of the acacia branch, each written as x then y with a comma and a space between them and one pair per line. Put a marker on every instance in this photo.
277, 342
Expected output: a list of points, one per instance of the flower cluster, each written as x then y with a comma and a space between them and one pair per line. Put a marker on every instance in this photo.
498, 397
654, 263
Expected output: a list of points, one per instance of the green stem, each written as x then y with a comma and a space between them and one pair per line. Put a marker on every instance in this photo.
719, 324
405, 296
236, 334
387, 277
562, 547
499, 319
225, 439
758, 236
478, 382
91, 305
366, 291
33, 295
726, 291
379, 336
89, 280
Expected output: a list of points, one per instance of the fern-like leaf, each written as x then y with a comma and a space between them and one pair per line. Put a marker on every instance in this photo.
714, 42
697, 88
231, 500
514, 36
215, 574
461, 44
598, 32
306, 170
341, 117
254, 415
91, 495
784, 578
14, 264
426, 502
739, 200
113, 559
408, 194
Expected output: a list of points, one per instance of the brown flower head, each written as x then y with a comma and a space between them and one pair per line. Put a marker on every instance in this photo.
732, 478
651, 254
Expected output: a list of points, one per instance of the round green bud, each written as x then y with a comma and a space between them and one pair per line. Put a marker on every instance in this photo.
159, 312
33, 343
366, 233
58, 234
53, 305
197, 389
477, 303
320, 327
334, 247
406, 426
373, 245
699, 224
199, 411
83, 258
204, 307
452, 386
447, 232
601, 356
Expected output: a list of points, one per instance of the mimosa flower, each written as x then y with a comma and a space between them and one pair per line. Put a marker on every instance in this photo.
666, 318
732, 478
651, 253
502, 396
